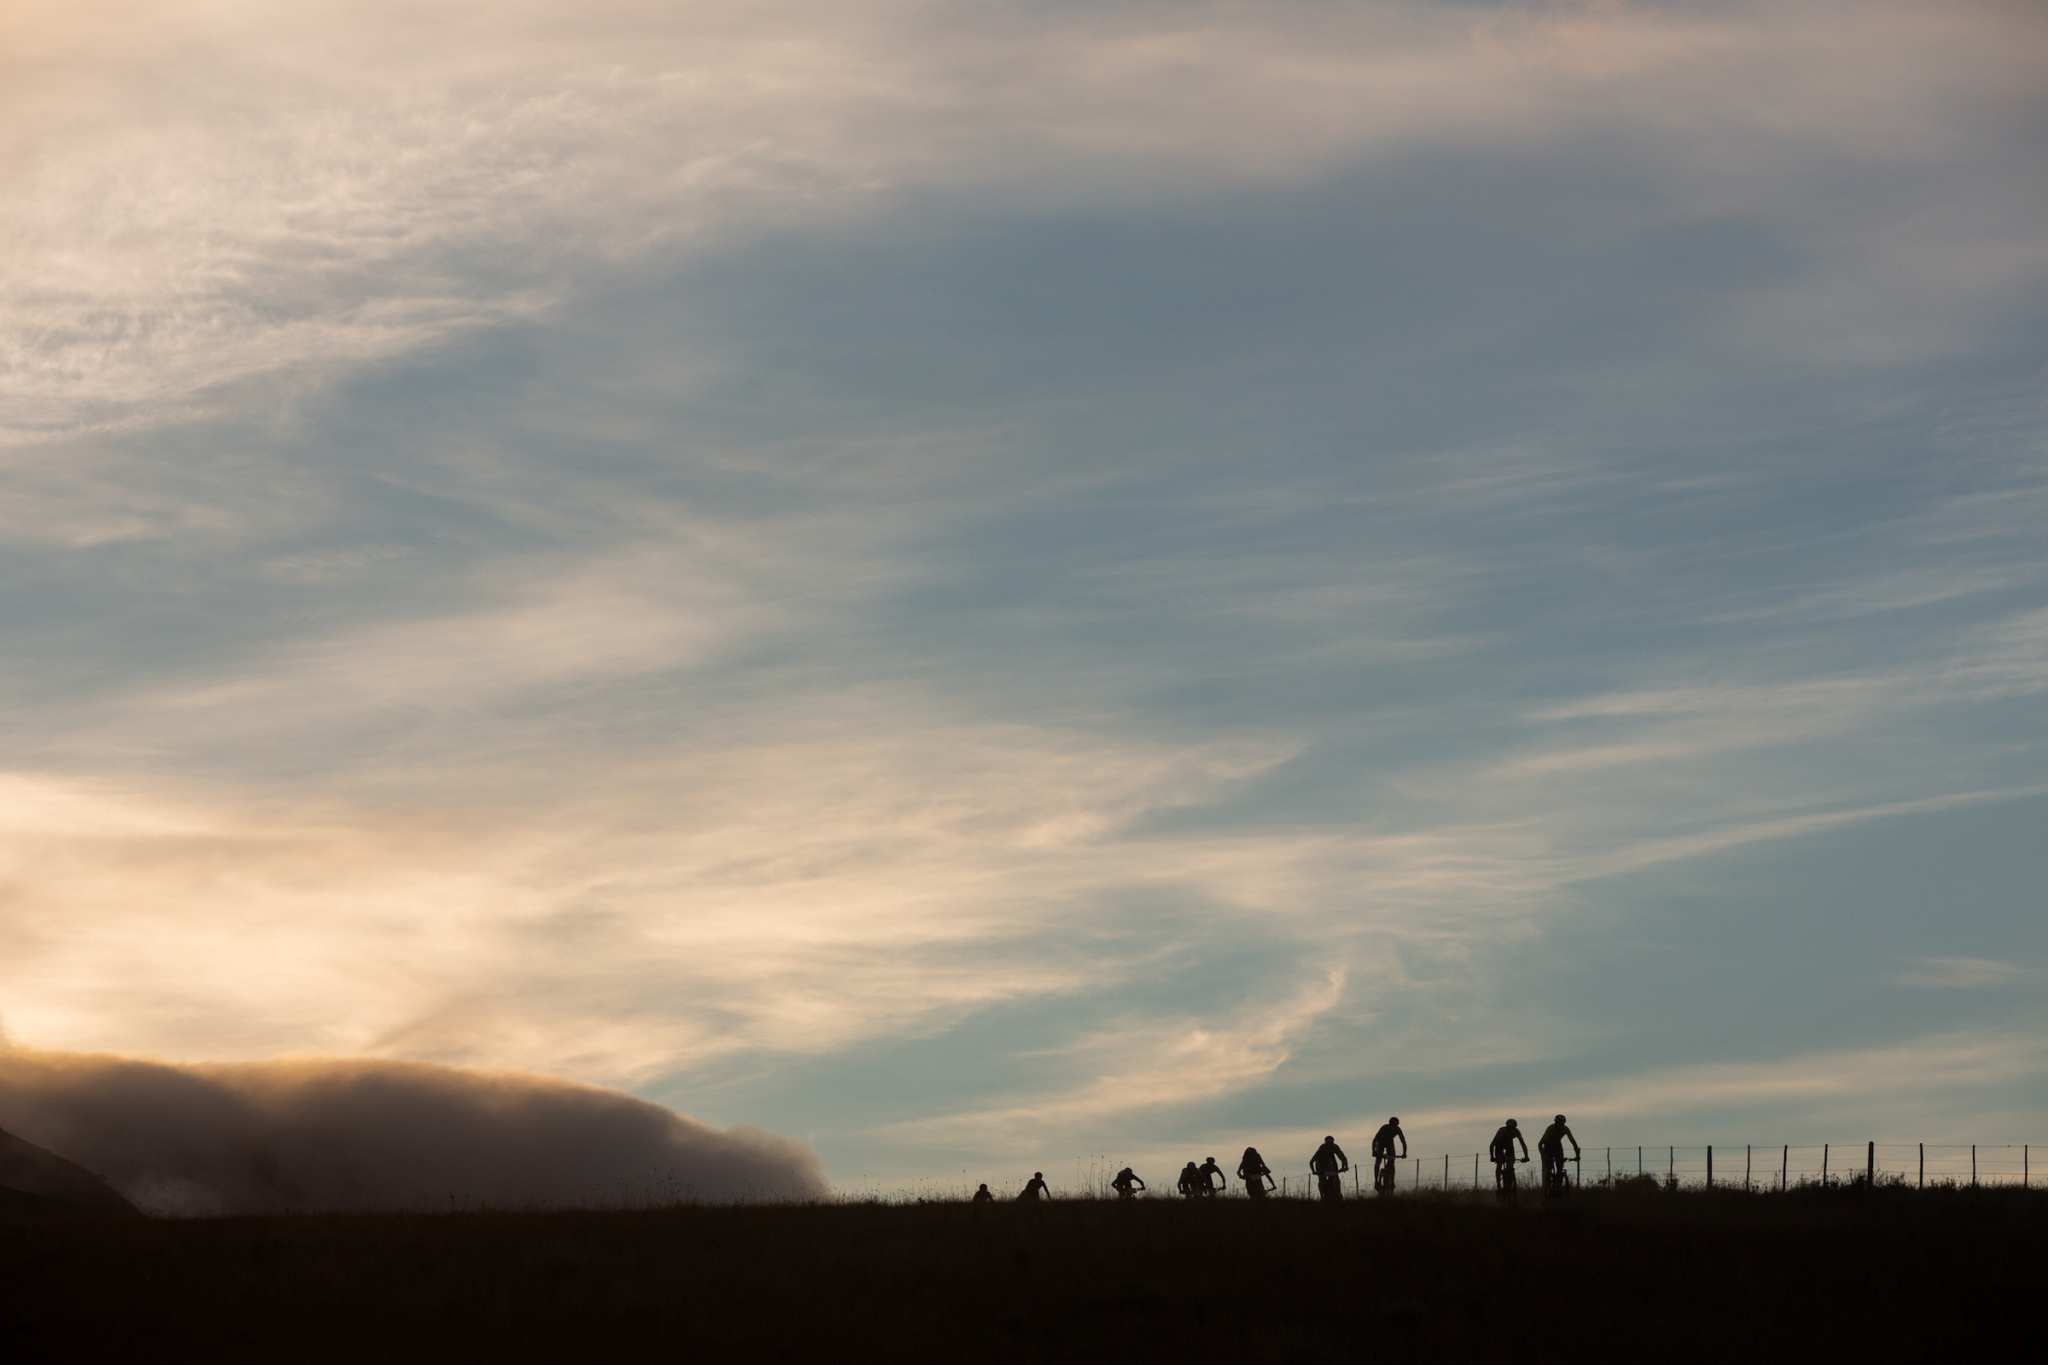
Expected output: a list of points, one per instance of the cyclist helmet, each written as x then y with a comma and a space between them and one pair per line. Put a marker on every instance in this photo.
1511, 1123
1560, 1118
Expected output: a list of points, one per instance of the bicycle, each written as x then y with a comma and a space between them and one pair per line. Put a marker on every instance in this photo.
1556, 1181
1504, 1187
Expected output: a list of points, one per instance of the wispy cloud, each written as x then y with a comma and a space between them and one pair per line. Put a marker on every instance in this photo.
343, 183
1967, 973
1918, 1081
1142, 1065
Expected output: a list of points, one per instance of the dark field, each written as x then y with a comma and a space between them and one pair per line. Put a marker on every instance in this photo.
1649, 1275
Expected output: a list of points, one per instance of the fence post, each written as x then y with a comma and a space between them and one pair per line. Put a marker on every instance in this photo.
1923, 1165
2026, 1182
1610, 1165
1639, 1162
1447, 1172
1416, 1183
1710, 1165
1671, 1171
1823, 1165
1475, 1170
1870, 1164
1785, 1168
1973, 1165
1745, 1167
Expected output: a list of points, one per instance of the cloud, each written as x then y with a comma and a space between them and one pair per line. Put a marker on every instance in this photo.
309, 1133
1943, 1084
1150, 1064
217, 190
1967, 973
793, 890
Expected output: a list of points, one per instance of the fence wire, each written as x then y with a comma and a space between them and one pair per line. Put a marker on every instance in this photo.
1732, 1166
1740, 1166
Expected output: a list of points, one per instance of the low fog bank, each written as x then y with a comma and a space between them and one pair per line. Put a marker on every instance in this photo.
305, 1134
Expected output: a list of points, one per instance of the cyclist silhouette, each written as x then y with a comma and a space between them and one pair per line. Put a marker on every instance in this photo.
1502, 1151
1254, 1172
1126, 1183
1192, 1181
1383, 1154
982, 1196
1329, 1164
1213, 1180
1035, 1190
1551, 1148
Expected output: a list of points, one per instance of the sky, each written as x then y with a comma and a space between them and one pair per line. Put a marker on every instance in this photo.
1014, 583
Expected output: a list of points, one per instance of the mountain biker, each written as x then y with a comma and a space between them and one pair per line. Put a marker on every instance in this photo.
1035, 1189
1213, 1180
1254, 1172
1329, 1164
1192, 1181
1502, 1152
1383, 1154
1126, 1183
982, 1196
1551, 1148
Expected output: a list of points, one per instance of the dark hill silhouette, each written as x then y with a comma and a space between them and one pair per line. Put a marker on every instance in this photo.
1843, 1273
36, 1183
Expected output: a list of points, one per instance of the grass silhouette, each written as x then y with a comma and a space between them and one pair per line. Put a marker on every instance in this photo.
1653, 1273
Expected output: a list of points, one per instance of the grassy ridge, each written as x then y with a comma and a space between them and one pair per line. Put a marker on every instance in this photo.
1663, 1276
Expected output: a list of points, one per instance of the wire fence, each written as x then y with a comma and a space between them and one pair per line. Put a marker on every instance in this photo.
1731, 1166
1738, 1166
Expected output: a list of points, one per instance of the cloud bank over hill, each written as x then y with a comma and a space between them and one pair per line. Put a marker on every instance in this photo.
315, 1133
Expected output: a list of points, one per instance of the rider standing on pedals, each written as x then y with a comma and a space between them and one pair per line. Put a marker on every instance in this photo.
1502, 1151
1254, 1172
1383, 1154
1551, 1148
1329, 1164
